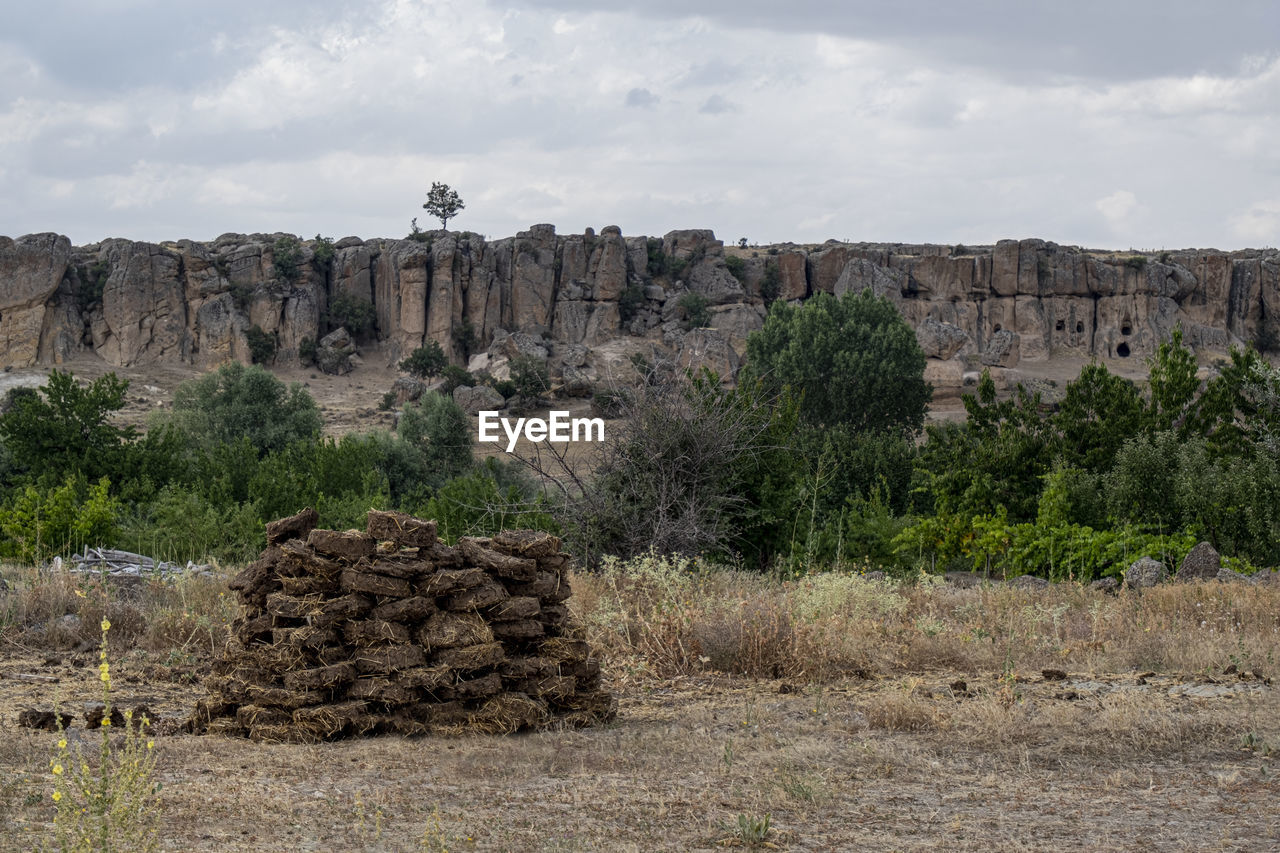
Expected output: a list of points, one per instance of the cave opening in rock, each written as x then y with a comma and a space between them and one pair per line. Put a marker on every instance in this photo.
1123, 350
1079, 327
996, 328
1061, 325
1126, 329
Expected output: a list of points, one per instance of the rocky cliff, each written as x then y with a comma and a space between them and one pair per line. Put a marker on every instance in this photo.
587, 301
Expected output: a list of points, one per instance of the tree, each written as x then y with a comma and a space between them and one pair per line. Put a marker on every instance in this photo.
425, 361
692, 468
443, 202
440, 429
531, 379
237, 401
854, 361
66, 428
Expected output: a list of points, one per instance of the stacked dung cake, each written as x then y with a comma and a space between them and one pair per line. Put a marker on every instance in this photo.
390, 630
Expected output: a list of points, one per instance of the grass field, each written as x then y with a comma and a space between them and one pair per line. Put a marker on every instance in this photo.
854, 714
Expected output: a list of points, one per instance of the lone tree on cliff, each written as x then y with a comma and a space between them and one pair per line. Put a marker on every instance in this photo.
443, 202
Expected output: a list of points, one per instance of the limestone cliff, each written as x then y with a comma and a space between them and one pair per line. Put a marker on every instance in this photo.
588, 300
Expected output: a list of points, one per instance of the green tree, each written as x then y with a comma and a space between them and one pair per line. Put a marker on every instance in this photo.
853, 361
531, 379
425, 361
235, 402
440, 429
286, 255
1099, 412
1173, 384
443, 202
66, 429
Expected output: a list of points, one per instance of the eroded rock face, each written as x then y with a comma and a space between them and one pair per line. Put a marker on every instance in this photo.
1019, 301
31, 268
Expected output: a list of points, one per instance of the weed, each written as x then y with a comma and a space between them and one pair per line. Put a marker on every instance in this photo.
110, 806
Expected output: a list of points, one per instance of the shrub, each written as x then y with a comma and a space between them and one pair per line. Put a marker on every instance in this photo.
440, 429
657, 259
737, 267
262, 345
92, 282
307, 351
531, 379
491, 498
630, 301
286, 256
465, 339
67, 429
237, 401
696, 310
425, 361
455, 376
38, 523
771, 284
855, 360
388, 402
1136, 262
352, 313
324, 252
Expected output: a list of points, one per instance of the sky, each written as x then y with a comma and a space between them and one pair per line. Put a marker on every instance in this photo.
1144, 124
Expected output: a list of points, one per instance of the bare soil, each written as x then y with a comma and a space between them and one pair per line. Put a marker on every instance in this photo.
876, 764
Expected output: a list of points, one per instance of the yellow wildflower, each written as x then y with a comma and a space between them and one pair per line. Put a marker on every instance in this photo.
62, 744
57, 795
106, 625
57, 770
150, 744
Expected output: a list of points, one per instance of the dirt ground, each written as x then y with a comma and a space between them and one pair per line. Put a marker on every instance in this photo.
1093, 762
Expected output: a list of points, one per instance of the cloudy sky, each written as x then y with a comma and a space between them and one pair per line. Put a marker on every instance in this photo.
1142, 123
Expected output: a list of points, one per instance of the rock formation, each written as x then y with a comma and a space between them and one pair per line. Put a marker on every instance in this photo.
587, 302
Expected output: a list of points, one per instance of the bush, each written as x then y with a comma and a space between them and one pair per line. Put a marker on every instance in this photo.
696, 310
771, 284
307, 351
66, 429
491, 498
352, 313
262, 345
853, 360
39, 523
657, 259
455, 376
425, 361
92, 282
737, 268
531, 379
324, 252
237, 401
439, 428
286, 256
630, 302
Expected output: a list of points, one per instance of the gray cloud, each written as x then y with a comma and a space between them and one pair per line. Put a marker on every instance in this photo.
641, 98
861, 120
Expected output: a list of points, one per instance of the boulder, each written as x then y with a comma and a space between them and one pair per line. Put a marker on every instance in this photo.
1201, 563
1231, 576
477, 398
1105, 585
1004, 350
334, 352
1029, 583
940, 340
407, 389
1144, 573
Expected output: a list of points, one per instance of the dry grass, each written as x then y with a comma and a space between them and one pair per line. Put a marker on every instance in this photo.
659, 619
856, 714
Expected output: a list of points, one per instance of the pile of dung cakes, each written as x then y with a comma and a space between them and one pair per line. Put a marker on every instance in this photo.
349, 633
